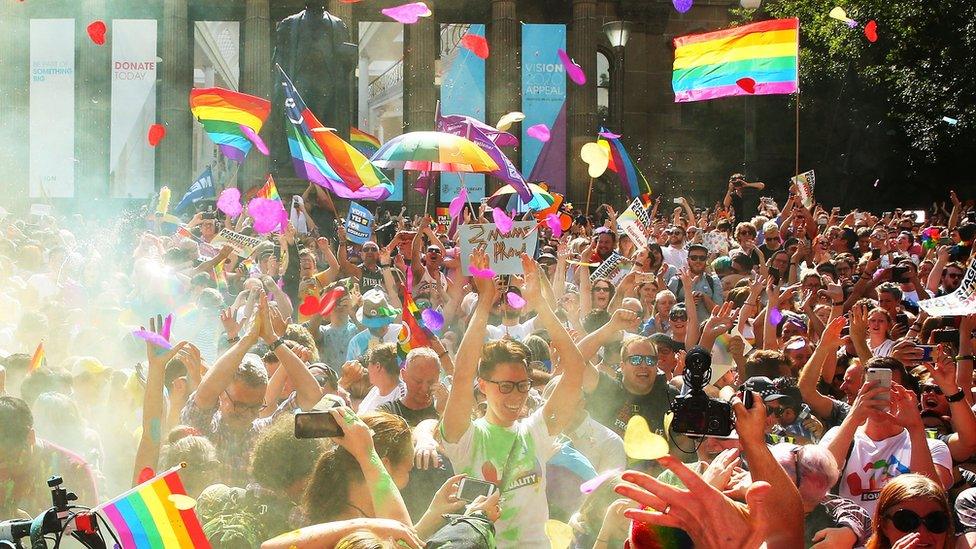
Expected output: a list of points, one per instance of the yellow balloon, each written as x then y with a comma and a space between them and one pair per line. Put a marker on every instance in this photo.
597, 157
641, 443
182, 502
506, 121
838, 13
559, 533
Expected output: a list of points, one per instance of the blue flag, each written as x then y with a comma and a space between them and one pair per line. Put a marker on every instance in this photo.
202, 188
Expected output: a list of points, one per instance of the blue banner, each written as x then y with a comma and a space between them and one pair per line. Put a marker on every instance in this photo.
463, 92
544, 102
359, 224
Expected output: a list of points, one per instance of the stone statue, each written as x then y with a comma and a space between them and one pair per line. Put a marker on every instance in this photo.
314, 50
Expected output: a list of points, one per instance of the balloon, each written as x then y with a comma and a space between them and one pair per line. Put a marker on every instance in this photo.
96, 31
502, 221
146, 473
539, 131
329, 300
267, 214
559, 533
596, 157
838, 13
156, 134
573, 71
457, 203
481, 273
871, 31
477, 44
153, 338
641, 443
407, 14
595, 482
775, 317
682, 6
506, 121
182, 502
747, 84
516, 301
555, 225
229, 202
433, 320
310, 306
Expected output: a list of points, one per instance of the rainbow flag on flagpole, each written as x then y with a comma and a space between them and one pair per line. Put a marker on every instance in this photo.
621, 164
38, 358
412, 334
363, 142
324, 158
154, 515
269, 190
709, 65
231, 119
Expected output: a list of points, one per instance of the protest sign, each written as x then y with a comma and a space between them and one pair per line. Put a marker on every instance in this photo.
243, 245
805, 183
610, 269
40, 210
635, 222
961, 302
359, 224
504, 251
443, 219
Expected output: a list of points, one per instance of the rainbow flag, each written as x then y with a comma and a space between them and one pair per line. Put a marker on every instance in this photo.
363, 142
323, 158
154, 515
269, 190
220, 277
228, 117
709, 65
38, 358
621, 164
412, 334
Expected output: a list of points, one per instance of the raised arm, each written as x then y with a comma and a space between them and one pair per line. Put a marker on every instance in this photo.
222, 373
810, 374
307, 389
589, 345
344, 263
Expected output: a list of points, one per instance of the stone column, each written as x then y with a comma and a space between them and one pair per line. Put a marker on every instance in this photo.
582, 41
504, 75
93, 132
419, 94
173, 153
256, 80
14, 103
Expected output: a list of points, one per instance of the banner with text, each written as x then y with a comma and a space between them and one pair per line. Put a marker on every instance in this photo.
805, 183
132, 162
636, 223
961, 302
359, 224
463, 92
52, 108
544, 102
504, 251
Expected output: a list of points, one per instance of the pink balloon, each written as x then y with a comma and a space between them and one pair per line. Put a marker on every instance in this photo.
407, 14
153, 338
433, 320
595, 482
502, 221
481, 273
256, 139
229, 202
539, 131
515, 300
268, 214
573, 70
682, 6
552, 221
457, 204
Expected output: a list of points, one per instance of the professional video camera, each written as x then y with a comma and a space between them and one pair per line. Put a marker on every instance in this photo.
62, 518
695, 413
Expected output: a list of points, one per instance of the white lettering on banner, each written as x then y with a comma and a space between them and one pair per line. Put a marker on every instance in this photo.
609, 269
961, 302
504, 251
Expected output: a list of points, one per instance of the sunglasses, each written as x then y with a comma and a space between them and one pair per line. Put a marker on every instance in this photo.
931, 389
905, 520
648, 360
602, 289
506, 387
253, 408
434, 251
777, 411
679, 316
696, 258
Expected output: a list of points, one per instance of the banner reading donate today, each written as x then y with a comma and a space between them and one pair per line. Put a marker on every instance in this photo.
544, 102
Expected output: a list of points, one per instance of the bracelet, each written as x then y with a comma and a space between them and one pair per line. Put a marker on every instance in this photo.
233, 339
956, 397
276, 343
965, 357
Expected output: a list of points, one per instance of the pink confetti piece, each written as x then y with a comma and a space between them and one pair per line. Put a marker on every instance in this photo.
682, 6
852, 23
407, 14
589, 486
502, 221
515, 300
433, 320
267, 214
610, 135
167, 326
552, 221
539, 131
229, 202
876, 181
481, 273
153, 338
574, 71
256, 139
775, 316
457, 204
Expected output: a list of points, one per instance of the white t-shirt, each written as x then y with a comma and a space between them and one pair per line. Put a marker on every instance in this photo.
600, 445
676, 257
483, 451
374, 399
884, 349
874, 462
518, 332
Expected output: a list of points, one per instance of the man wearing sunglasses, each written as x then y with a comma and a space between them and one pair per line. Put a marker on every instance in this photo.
706, 287
427, 262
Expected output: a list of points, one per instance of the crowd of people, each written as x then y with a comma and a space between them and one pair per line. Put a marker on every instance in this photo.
852, 408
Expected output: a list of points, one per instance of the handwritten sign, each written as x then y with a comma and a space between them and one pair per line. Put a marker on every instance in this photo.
961, 302
504, 251
243, 245
359, 224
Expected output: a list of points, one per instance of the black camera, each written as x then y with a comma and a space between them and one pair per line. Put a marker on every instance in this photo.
695, 413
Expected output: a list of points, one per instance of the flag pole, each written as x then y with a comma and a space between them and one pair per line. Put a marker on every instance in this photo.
588, 193
796, 157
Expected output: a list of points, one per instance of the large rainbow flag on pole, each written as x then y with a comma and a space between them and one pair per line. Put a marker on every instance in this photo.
324, 158
709, 65
156, 515
231, 119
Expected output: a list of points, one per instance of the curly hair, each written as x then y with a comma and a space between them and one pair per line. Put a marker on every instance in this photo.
300, 334
279, 460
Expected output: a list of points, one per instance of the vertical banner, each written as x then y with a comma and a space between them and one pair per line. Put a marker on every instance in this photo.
52, 108
544, 102
463, 92
132, 164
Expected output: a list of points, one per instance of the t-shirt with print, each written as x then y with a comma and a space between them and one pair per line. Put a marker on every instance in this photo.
517, 455
873, 463
613, 405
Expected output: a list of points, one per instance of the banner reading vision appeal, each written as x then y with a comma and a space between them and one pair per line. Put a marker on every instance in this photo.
544, 102
504, 251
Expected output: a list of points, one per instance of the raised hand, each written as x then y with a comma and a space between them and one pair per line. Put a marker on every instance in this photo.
231, 327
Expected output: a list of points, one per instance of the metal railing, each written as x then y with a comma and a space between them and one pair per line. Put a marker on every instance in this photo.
390, 79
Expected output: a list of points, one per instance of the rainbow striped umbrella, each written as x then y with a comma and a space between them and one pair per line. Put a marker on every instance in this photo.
507, 198
433, 151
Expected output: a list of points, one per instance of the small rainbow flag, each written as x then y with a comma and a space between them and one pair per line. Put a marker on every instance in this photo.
621, 164
269, 190
322, 157
220, 277
709, 65
231, 119
38, 358
156, 514
363, 142
412, 334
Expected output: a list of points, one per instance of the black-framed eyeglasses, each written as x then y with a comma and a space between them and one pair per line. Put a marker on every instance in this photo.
796, 463
254, 408
648, 360
907, 521
506, 387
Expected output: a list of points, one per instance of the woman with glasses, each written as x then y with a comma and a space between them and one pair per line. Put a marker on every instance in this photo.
601, 293
913, 511
505, 448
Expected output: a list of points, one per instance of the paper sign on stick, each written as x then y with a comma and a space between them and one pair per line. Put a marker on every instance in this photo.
805, 183
359, 224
